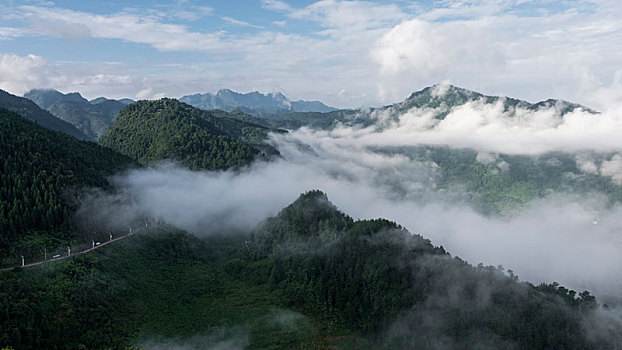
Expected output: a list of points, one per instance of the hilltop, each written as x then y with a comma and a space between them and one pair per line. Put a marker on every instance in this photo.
151, 131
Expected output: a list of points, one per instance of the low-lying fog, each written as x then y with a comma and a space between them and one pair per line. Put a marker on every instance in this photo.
551, 239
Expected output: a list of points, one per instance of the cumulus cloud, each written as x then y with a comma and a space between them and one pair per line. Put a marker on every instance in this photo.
495, 47
19, 74
492, 48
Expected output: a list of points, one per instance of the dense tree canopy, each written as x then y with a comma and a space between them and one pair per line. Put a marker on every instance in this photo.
150, 131
311, 277
39, 169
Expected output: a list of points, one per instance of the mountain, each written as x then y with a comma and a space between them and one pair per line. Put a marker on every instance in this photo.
41, 171
440, 97
31, 111
93, 120
491, 183
44, 98
310, 277
150, 131
93, 117
446, 97
253, 103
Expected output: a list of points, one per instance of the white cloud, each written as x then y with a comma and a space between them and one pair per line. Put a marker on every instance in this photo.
378, 52
106, 79
19, 74
349, 15
123, 26
193, 13
149, 94
237, 22
7, 33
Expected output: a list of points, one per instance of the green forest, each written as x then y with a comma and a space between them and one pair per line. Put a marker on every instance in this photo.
309, 278
151, 131
41, 175
510, 181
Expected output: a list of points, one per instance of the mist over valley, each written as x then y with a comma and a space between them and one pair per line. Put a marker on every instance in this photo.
327, 175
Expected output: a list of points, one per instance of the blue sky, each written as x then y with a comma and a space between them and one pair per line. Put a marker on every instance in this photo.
345, 53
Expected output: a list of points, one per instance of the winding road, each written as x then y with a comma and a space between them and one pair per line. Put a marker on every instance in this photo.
66, 256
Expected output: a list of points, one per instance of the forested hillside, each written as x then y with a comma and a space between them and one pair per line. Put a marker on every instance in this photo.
496, 183
150, 131
309, 278
373, 277
41, 173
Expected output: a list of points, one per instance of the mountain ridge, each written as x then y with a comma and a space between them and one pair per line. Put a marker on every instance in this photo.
254, 103
29, 110
447, 95
92, 118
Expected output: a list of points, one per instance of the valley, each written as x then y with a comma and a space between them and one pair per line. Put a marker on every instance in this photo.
232, 261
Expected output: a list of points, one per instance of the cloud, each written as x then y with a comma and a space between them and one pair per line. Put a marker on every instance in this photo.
107, 79
613, 168
149, 94
276, 5
378, 52
489, 127
192, 13
19, 74
586, 164
237, 22
7, 33
142, 29
352, 15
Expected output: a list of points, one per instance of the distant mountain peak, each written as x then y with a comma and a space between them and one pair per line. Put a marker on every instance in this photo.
31, 111
254, 103
44, 98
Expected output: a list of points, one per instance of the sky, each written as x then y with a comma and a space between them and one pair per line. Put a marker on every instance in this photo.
344, 53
